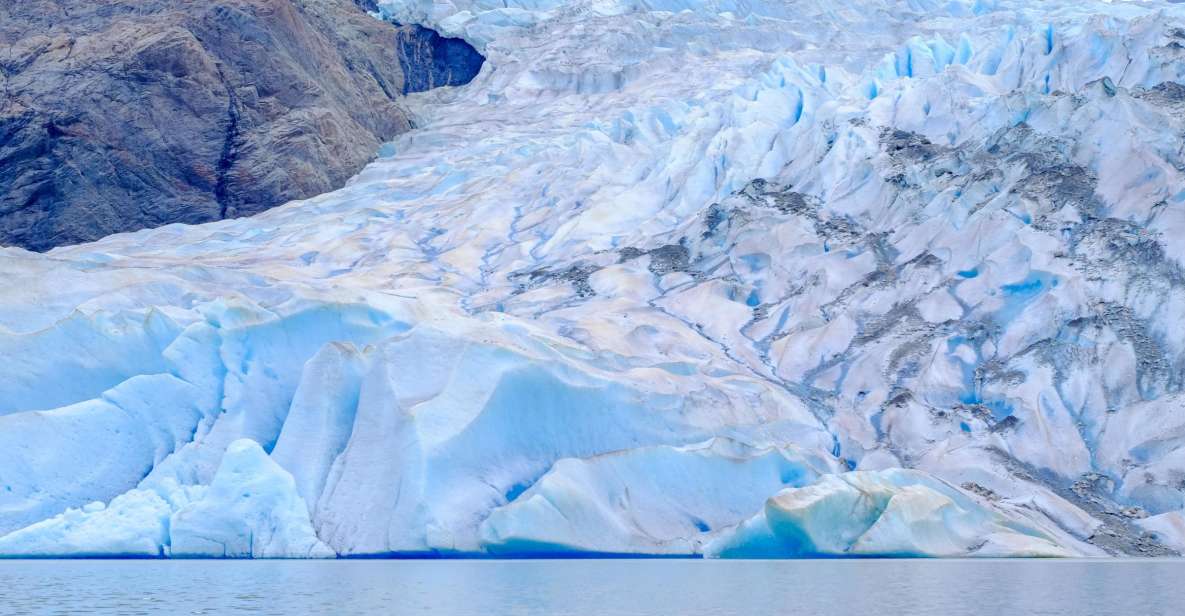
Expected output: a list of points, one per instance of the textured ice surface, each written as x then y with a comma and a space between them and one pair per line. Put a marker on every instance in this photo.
934, 235
134, 524
652, 500
893, 512
251, 509
1169, 528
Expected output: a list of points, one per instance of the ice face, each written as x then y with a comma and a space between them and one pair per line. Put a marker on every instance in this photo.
91, 450
654, 500
428, 453
134, 524
883, 513
251, 509
933, 235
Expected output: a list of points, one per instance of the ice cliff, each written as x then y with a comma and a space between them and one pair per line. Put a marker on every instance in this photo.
686, 277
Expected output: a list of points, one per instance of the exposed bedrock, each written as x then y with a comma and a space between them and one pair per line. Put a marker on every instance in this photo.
128, 114
431, 61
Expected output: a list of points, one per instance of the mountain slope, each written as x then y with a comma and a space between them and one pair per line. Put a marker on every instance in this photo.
118, 116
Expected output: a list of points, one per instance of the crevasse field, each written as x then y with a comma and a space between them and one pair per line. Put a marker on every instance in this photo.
766, 278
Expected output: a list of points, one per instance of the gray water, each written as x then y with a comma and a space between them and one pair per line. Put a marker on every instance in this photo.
594, 587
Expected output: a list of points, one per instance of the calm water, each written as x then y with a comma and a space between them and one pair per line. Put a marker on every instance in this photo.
594, 587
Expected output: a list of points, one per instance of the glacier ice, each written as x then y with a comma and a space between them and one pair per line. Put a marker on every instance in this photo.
92, 450
894, 512
653, 500
1169, 528
250, 509
713, 254
133, 524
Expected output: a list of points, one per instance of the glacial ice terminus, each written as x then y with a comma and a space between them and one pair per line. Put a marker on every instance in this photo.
118, 116
658, 281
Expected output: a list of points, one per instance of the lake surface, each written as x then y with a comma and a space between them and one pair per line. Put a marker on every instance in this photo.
594, 587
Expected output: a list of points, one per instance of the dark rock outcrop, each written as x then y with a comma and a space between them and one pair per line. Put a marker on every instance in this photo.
431, 61
126, 114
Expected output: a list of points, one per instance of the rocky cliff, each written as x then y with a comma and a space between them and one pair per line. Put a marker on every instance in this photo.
129, 114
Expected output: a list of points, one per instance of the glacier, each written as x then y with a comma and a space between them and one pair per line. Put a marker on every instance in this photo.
711, 278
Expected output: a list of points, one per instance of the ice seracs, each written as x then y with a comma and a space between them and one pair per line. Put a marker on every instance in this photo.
865, 236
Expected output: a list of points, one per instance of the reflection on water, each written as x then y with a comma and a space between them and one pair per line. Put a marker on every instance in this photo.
594, 587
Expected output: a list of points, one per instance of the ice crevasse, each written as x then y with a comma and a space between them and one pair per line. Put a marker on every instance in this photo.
731, 279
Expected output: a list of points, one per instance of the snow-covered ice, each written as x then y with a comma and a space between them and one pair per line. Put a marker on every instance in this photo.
712, 254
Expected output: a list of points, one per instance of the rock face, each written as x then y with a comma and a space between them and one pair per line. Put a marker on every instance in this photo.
128, 114
430, 60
